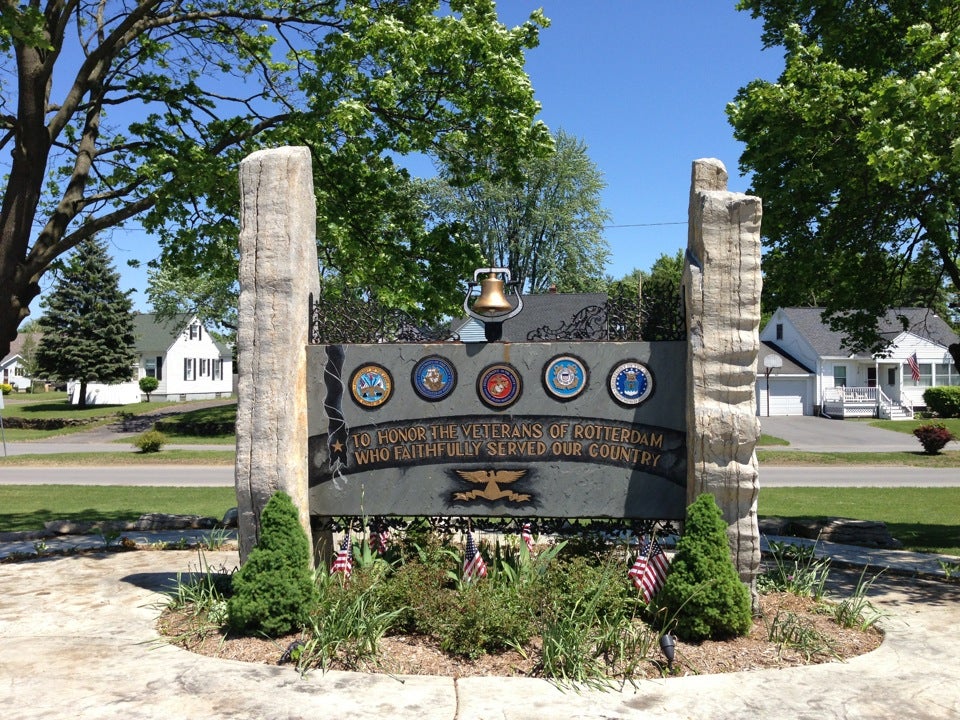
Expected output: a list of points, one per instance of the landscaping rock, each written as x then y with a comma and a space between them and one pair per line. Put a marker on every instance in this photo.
162, 521
865, 533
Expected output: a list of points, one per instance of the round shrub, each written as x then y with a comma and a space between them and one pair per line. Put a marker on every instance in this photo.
933, 437
274, 592
703, 597
150, 441
148, 385
6, 388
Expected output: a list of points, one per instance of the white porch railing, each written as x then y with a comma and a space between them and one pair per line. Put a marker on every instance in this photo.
844, 402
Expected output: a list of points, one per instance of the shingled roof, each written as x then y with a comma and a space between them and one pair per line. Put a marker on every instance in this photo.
154, 335
921, 322
550, 310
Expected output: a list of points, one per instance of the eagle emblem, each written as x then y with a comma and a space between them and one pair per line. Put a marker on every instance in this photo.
491, 480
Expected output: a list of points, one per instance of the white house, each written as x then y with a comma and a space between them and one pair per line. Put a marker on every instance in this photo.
180, 353
189, 363
819, 376
12, 371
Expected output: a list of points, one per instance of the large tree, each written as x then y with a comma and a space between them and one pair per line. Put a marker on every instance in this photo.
546, 225
88, 324
660, 294
116, 110
855, 153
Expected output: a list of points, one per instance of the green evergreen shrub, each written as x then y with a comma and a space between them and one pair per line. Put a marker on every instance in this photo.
274, 592
150, 441
6, 388
703, 597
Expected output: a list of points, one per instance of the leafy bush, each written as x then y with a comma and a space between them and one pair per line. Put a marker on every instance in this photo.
274, 591
703, 597
5, 388
933, 437
943, 400
150, 441
148, 385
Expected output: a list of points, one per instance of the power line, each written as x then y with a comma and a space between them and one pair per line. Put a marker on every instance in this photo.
645, 224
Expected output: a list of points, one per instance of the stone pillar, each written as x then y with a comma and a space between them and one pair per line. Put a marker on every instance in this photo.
722, 284
278, 271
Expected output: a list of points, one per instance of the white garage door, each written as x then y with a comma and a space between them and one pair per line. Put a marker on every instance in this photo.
786, 397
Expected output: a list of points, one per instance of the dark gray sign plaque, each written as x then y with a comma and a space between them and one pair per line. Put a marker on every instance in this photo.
561, 429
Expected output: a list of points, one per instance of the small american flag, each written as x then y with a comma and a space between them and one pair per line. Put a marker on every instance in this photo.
914, 367
527, 536
379, 535
473, 564
650, 569
343, 563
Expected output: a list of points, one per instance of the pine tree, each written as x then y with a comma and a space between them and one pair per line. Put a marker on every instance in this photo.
88, 323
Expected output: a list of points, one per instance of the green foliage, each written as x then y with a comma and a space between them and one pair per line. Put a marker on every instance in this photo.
796, 570
545, 226
662, 302
358, 83
150, 441
853, 153
88, 323
148, 385
857, 611
933, 437
943, 400
788, 630
703, 596
6, 388
274, 591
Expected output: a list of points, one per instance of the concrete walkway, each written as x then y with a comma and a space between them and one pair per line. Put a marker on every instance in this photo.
78, 641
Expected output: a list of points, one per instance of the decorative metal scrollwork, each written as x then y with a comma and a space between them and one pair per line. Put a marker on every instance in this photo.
619, 319
367, 321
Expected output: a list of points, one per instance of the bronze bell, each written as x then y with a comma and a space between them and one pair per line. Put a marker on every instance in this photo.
492, 301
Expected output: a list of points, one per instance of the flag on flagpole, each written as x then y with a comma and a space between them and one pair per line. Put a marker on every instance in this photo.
527, 536
914, 367
343, 563
650, 569
473, 564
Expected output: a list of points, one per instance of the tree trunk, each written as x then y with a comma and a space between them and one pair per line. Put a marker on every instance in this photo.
82, 402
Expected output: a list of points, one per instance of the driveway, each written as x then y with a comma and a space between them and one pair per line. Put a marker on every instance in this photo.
818, 434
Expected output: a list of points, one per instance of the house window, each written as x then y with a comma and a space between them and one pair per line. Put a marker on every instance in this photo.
150, 367
839, 375
779, 331
204, 367
189, 369
196, 331
217, 368
946, 374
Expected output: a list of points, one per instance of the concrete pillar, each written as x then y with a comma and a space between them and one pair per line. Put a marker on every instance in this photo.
722, 285
278, 271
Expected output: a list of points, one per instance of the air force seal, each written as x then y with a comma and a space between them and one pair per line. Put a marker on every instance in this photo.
630, 383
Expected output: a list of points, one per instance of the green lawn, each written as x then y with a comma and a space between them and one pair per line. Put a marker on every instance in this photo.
164, 457
923, 519
908, 426
28, 507
947, 459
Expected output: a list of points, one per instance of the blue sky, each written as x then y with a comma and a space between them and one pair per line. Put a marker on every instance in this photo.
644, 84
